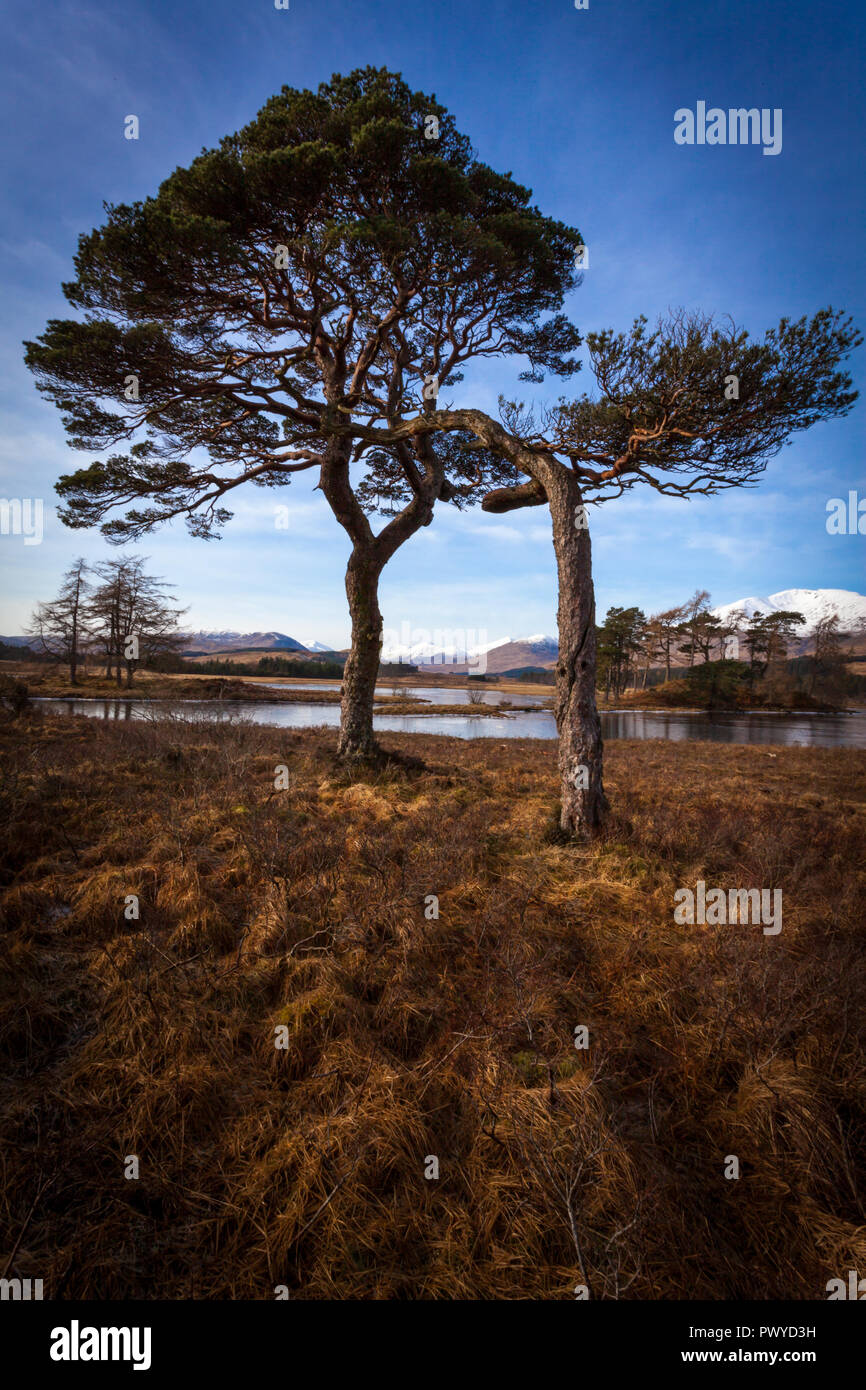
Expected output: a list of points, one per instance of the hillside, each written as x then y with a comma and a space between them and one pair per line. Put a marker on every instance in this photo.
210, 642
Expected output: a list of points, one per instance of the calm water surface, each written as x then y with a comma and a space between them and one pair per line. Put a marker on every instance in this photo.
815, 730
431, 694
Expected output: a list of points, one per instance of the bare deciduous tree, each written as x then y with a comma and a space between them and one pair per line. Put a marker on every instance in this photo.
60, 626
130, 616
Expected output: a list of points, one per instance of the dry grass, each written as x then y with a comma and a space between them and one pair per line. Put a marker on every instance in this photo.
410, 1037
148, 685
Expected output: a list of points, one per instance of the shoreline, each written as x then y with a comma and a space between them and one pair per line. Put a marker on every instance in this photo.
422, 707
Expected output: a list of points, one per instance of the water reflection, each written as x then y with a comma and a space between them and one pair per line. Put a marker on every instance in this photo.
820, 731
431, 694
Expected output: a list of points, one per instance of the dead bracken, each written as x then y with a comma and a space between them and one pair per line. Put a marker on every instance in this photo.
413, 1035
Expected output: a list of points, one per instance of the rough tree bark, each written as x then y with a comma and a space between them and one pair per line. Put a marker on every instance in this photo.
362, 664
583, 802
582, 798
370, 554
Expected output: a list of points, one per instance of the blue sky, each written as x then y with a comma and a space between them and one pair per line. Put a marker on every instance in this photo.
580, 106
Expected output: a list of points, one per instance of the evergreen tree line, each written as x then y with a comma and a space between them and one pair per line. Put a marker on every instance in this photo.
268, 666
724, 656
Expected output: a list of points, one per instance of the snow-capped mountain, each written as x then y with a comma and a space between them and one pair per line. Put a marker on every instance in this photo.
812, 603
225, 641
511, 653
426, 653
503, 654
538, 650
242, 641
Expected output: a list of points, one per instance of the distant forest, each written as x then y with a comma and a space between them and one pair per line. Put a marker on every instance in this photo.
325, 668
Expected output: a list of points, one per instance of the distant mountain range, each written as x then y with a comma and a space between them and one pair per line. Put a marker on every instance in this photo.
512, 653
207, 644
502, 655
505, 654
248, 641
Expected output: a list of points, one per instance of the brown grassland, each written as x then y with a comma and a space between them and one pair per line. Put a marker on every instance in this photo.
411, 1036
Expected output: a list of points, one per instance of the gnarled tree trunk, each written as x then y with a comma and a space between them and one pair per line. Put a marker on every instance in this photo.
362, 664
583, 802
370, 554
577, 720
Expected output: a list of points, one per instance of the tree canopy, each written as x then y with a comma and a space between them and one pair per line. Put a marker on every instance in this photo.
328, 265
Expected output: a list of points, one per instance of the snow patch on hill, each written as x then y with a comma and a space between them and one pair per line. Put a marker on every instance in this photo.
812, 603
